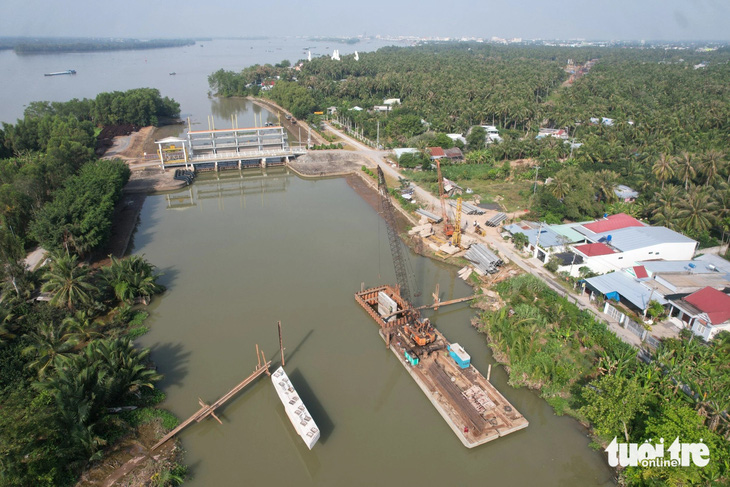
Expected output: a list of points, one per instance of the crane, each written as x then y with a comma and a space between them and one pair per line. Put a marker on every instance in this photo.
456, 238
420, 331
448, 227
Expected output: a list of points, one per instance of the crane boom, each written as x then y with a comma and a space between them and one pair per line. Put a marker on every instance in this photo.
396, 250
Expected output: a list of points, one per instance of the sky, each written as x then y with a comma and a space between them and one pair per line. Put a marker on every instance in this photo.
529, 19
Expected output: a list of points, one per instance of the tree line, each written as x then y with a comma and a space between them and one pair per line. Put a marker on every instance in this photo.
58, 45
582, 369
67, 361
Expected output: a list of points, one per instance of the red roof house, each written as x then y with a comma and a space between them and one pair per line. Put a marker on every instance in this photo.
613, 222
594, 249
707, 312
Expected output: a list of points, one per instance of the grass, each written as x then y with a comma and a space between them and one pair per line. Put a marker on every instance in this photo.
509, 194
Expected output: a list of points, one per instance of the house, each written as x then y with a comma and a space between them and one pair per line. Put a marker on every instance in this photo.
454, 154
620, 248
555, 133
621, 287
391, 101
625, 194
492, 134
436, 153
456, 137
382, 108
544, 240
331, 110
706, 312
357, 108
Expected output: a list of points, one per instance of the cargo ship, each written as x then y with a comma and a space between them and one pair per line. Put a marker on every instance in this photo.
295, 408
58, 73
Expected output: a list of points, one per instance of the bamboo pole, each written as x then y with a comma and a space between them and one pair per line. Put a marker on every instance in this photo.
281, 346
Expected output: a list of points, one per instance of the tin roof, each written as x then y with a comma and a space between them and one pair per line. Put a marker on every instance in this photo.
630, 289
613, 222
632, 238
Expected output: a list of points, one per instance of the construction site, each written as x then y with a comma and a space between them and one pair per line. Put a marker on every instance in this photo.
474, 409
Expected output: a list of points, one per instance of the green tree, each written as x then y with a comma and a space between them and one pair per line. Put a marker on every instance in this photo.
131, 278
663, 168
520, 240
69, 283
612, 403
476, 138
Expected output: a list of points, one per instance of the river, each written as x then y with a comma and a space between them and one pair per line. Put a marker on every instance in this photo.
240, 252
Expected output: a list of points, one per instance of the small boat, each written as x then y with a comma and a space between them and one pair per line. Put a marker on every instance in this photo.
173, 73
295, 408
58, 73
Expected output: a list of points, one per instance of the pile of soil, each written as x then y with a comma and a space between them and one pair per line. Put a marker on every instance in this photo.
106, 138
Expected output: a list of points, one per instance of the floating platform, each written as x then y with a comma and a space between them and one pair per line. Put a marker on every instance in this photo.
472, 407
295, 408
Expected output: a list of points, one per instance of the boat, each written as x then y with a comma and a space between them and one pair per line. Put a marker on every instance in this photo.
295, 408
57, 73
173, 73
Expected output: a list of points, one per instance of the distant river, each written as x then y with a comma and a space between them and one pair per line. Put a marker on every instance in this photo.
240, 252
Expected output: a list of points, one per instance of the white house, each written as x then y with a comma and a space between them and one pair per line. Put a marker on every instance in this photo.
391, 101
620, 248
706, 312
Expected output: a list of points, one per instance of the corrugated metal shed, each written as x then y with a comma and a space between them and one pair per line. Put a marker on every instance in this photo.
628, 288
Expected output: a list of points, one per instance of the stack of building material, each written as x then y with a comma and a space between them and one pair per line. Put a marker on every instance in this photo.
465, 273
467, 208
422, 230
429, 215
485, 261
449, 249
496, 219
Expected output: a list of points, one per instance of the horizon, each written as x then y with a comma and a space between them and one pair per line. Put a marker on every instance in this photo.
620, 20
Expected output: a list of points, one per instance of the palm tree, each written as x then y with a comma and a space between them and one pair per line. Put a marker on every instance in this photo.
48, 343
605, 182
696, 211
131, 278
69, 283
686, 169
711, 164
81, 325
663, 168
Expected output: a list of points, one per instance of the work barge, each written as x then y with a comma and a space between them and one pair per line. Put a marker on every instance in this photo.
472, 407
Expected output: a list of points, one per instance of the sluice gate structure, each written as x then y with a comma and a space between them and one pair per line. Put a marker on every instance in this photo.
234, 148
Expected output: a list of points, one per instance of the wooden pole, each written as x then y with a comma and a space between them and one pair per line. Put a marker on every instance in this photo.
489, 372
281, 346
258, 357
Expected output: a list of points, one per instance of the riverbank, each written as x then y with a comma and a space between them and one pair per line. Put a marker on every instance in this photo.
294, 128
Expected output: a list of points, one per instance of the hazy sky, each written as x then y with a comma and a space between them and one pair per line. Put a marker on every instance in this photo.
589, 19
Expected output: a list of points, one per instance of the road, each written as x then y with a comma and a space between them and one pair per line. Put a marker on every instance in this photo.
492, 239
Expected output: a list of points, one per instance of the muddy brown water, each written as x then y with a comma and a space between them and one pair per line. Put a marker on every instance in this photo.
240, 252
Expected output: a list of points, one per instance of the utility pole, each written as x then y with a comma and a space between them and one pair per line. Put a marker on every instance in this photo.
537, 170
377, 143
537, 242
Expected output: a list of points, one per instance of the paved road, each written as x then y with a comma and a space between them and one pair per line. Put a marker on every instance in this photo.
494, 240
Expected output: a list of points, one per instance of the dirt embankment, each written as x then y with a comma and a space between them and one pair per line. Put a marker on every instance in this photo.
129, 146
329, 163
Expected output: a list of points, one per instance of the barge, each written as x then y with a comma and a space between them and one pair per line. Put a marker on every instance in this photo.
295, 409
58, 73
472, 407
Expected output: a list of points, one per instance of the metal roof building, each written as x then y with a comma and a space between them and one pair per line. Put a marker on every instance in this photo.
629, 289
633, 238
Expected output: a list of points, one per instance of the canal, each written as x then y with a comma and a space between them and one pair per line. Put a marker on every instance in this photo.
240, 252
243, 252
